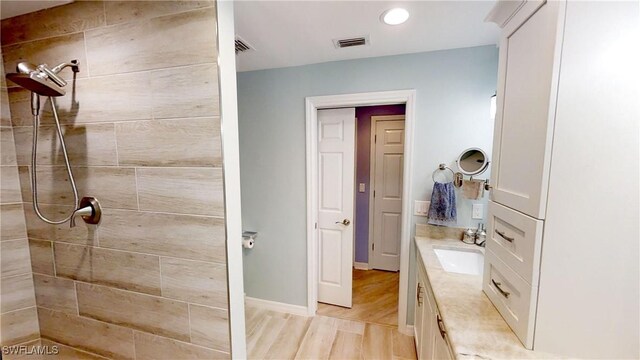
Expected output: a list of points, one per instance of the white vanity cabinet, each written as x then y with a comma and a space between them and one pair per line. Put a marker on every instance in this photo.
561, 258
418, 311
430, 333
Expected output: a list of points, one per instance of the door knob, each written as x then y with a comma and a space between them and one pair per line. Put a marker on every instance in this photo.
344, 222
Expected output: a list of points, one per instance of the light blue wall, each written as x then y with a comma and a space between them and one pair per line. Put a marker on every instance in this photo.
452, 113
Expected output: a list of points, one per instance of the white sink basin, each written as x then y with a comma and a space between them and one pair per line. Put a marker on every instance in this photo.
461, 261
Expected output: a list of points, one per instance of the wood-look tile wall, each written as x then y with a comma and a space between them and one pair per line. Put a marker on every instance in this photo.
141, 123
18, 317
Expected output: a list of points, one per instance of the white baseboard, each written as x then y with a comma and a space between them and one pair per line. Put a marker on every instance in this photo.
407, 330
361, 265
277, 306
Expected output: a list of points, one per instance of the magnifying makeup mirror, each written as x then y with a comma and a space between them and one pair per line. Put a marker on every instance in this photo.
473, 161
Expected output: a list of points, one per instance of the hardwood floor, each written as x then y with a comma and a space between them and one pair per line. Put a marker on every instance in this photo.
366, 331
375, 298
273, 335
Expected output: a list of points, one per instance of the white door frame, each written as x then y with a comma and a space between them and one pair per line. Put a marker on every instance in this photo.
372, 160
231, 172
312, 105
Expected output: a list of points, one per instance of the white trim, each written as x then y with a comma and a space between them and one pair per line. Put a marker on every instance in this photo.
356, 187
312, 104
361, 266
276, 306
411, 331
372, 175
231, 173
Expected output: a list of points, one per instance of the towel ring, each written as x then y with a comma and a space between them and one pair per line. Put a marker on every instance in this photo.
441, 167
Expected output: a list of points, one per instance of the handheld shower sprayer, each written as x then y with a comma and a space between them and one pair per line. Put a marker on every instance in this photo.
52, 73
42, 80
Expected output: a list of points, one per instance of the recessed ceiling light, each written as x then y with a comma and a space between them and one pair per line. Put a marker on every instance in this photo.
395, 16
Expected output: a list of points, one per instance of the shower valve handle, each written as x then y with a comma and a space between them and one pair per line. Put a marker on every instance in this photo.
89, 210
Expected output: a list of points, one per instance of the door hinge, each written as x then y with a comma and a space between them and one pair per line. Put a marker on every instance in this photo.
374, 193
373, 247
375, 139
316, 225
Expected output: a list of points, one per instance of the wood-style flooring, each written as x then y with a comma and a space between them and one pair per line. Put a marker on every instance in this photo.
375, 298
273, 335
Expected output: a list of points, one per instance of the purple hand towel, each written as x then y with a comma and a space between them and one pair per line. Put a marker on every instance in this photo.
442, 210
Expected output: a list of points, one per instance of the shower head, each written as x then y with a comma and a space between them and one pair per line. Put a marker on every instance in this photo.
41, 80
38, 79
37, 84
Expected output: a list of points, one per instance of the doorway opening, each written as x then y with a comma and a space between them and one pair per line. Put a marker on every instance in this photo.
379, 155
378, 279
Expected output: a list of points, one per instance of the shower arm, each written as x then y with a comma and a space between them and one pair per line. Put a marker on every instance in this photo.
73, 64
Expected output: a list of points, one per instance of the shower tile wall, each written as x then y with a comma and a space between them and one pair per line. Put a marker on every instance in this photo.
18, 317
143, 131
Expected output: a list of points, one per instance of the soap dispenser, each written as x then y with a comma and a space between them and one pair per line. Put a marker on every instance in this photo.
481, 235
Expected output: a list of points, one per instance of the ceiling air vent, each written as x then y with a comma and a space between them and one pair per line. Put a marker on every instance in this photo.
242, 46
351, 42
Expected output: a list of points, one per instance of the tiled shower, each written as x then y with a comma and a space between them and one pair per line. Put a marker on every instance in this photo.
142, 128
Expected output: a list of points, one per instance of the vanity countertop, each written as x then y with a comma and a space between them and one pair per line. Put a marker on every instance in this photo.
475, 328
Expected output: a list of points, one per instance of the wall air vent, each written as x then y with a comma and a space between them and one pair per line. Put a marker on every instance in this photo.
242, 46
351, 42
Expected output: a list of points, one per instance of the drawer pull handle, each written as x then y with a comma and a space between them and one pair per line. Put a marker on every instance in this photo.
497, 285
443, 332
502, 235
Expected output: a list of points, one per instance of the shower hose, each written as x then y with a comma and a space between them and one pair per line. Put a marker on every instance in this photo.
34, 152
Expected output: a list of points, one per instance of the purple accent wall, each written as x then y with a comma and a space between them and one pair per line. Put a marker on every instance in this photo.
363, 148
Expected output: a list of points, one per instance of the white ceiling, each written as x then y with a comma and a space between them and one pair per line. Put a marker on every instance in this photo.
11, 8
291, 33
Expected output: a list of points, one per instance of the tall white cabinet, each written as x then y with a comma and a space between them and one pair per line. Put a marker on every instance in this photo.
529, 66
562, 261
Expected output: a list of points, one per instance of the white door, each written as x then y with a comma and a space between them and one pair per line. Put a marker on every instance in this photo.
387, 168
336, 177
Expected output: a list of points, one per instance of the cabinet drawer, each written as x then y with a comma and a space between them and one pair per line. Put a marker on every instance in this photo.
516, 239
512, 296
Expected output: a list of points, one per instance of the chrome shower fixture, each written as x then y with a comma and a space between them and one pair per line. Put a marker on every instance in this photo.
42, 80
